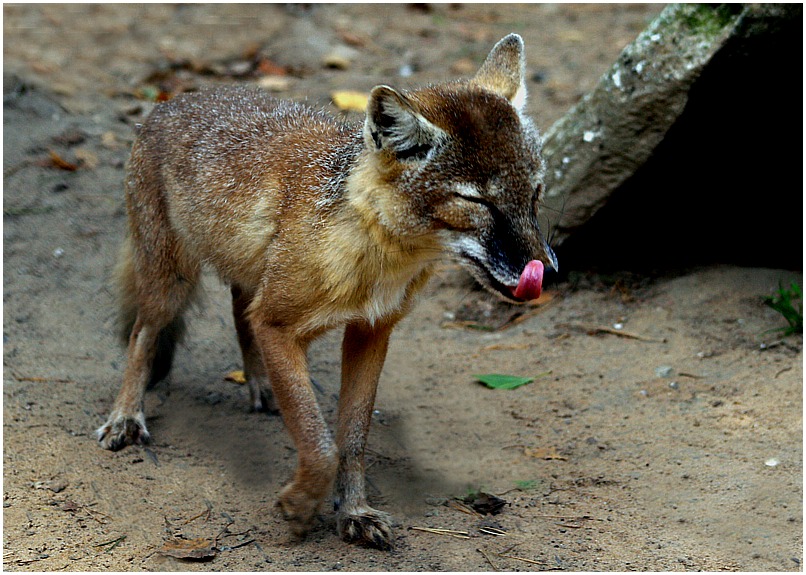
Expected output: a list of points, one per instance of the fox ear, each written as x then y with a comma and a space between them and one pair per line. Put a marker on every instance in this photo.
504, 69
394, 123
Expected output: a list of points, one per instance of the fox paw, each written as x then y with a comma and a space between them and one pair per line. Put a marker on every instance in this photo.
262, 397
122, 430
298, 509
366, 527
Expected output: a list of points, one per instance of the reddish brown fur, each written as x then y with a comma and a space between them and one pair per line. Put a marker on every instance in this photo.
316, 224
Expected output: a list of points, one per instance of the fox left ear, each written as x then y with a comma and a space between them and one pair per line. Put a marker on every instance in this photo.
504, 70
394, 123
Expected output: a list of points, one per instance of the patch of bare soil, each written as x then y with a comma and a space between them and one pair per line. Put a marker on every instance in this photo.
671, 441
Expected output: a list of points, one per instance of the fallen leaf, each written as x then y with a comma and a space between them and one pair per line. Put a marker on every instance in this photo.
336, 61
237, 376
274, 83
196, 549
350, 100
544, 453
57, 161
266, 67
109, 140
351, 39
70, 505
87, 158
485, 503
498, 381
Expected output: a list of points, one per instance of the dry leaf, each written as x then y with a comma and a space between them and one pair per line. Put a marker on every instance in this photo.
237, 376
350, 100
110, 140
336, 61
70, 505
351, 39
87, 158
266, 67
196, 549
274, 83
485, 503
57, 161
544, 453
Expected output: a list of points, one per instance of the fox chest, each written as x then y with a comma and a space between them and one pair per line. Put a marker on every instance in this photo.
368, 293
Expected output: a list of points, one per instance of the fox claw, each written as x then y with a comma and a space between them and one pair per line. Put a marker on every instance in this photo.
369, 527
120, 431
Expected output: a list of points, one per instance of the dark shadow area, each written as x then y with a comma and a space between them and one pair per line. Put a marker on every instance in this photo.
726, 185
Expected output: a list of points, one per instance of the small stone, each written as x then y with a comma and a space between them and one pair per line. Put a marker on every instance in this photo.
664, 371
406, 71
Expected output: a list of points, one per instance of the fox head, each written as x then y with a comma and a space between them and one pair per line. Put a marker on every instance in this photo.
464, 161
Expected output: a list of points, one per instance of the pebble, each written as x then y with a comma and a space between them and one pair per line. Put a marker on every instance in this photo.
664, 371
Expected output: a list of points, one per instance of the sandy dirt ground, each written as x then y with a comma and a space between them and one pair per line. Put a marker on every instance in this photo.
672, 443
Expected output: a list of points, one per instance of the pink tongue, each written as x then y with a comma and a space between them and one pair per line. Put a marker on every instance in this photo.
531, 282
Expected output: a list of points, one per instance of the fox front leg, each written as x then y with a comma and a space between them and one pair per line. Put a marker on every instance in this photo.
286, 365
363, 354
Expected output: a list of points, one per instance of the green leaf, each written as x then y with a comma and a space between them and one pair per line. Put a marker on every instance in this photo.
527, 484
498, 381
784, 303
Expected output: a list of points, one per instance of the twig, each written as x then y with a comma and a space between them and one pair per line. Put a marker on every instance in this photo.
487, 557
570, 517
151, 455
92, 513
266, 558
596, 329
459, 506
231, 547
628, 335
493, 531
783, 371
42, 379
112, 544
448, 532
205, 512
521, 559
569, 525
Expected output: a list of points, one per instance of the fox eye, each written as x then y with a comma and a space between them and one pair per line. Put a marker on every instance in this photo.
474, 199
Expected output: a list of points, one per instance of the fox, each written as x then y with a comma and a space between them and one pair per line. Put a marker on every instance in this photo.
317, 223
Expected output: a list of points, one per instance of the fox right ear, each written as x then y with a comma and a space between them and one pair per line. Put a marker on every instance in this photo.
394, 123
504, 70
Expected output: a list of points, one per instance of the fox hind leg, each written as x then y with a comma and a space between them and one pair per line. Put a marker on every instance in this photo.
155, 290
261, 397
